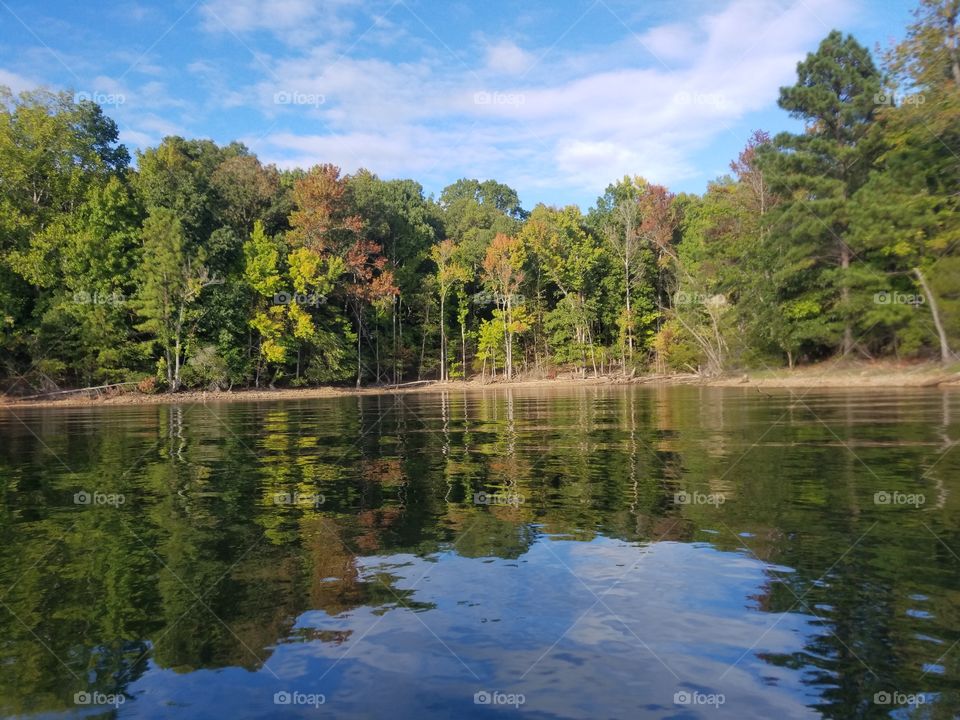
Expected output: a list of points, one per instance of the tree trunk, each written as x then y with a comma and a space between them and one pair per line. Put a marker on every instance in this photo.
423, 341
629, 314
393, 338
463, 349
359, 336
713, 313
845, 301
257, 368
359, 364
176, 350
507, 340
443, 343
581, 343
169, 366
952, 45
177, 335
593, 356
249, 349
398, 375
176, 365
945, 354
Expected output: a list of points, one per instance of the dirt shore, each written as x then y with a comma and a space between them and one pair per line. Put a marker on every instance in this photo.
823, 375
80, 399
853, 375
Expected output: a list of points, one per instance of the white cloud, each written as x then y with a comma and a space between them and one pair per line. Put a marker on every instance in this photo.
137, 139
292, 21
201, 67
405, 151
159, 126
357, 94
671, 43
507, 58
136, 62
570, 127
16, 83
147, 131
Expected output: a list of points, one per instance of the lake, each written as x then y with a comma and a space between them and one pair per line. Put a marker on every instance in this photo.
582, 552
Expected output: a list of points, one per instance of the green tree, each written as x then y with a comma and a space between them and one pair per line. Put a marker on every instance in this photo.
725, 294
906, 215
290, 314
171, 281
398, 218
89, 315
247, 191
53, 153
817, 172
503, 274
327, 223
474, 213
449, 273
570, 255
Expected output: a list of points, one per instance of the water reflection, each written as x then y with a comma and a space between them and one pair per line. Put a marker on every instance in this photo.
601, 552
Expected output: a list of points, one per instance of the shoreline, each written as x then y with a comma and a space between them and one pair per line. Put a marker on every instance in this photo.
822, 376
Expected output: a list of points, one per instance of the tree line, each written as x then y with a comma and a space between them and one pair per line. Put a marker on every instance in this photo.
200, 266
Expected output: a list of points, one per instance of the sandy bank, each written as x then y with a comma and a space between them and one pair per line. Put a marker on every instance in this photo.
823, 375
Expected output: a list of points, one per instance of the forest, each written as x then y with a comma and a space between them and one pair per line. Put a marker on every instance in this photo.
195, 265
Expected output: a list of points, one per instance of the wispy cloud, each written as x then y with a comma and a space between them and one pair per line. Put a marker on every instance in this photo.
16, 83
558, 100
291, 21
568, 126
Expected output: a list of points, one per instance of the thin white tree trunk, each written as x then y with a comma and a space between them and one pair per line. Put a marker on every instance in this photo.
945, 354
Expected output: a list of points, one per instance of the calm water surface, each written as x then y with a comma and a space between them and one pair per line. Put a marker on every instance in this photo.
585, 553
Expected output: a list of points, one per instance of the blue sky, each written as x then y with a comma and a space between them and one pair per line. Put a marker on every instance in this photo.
555, 98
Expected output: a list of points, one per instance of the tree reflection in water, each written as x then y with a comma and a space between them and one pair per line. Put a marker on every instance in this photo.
241, 522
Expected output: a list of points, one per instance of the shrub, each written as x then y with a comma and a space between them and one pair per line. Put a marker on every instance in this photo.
148, 385
206, 368
676, 348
